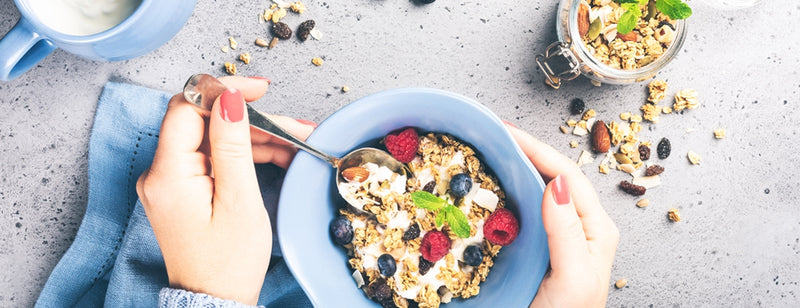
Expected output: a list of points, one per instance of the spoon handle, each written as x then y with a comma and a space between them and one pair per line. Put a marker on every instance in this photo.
261, 121
203, 89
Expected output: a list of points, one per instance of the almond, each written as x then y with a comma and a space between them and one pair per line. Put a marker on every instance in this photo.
583, 18
628, 37
600, 137
355, 174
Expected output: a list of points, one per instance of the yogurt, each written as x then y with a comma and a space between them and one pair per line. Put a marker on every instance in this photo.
83, 17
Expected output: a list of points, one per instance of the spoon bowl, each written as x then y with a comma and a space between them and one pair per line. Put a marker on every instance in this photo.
203, 89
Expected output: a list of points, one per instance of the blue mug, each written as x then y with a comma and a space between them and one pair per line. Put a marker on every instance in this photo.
151, 24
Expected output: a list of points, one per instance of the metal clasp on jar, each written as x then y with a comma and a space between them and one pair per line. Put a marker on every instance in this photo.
558, 63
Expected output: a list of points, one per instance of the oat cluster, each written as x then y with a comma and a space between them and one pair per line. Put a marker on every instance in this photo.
460, 280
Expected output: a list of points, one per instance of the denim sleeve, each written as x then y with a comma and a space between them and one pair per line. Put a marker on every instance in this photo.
176, 298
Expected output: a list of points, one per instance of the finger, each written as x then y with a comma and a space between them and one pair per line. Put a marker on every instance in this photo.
597, 225
231, 153
252, 88
182, 128
566, 239
280, 155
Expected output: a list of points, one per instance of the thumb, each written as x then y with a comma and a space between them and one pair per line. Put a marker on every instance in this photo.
565, 236
231, 151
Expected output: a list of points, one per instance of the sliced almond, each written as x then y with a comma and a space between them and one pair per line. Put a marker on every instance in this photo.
355, 174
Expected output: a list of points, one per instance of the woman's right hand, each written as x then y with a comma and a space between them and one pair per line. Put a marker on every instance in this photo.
581, 236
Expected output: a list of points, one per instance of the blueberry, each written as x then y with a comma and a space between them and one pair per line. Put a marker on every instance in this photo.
473, 255
342, 230
460, 184
387, 265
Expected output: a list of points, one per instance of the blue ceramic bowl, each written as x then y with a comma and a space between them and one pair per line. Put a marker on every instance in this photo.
309, 199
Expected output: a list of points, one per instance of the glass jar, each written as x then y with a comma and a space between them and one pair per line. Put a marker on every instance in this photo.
569, 57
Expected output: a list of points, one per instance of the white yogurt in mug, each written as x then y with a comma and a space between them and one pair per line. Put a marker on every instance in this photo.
82, 17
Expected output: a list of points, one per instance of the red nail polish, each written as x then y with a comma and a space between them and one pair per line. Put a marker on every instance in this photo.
231, 105
261, 78
307, 122
510, 124
561, 190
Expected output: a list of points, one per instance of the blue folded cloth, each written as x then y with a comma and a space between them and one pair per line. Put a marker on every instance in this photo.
115, 260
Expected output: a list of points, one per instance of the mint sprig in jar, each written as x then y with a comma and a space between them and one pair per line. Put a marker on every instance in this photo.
614, 41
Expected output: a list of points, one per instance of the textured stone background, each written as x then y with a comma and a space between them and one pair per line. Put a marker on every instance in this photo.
738, 244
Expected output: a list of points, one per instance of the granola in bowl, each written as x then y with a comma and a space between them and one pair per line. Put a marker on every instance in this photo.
429, 238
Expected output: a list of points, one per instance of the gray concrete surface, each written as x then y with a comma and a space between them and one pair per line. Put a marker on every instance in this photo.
737, 246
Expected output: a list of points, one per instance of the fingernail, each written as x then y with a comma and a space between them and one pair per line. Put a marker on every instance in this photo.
561, 190
510, 124
231, 105
307, 122
261, 78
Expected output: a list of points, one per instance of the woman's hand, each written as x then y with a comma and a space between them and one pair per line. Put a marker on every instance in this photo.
202, 197
581, 236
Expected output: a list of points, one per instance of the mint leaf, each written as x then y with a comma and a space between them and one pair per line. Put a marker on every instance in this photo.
628, 19
457, 220
675, 9
426, 200
440, 218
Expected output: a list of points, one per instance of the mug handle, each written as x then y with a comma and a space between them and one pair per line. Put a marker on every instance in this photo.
21, 49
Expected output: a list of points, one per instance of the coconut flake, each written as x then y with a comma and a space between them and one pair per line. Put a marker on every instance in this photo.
316, 34
647, 181
358, 279
585, 158
486, 199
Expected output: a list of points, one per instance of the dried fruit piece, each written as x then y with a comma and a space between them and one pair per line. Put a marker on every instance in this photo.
621, 283
632, 189
424, 265
673, 215
694, 158
644, 152
653, 170
643, 202
355, 174
304, 30
600, 137
664, 148
577, 106
282, 30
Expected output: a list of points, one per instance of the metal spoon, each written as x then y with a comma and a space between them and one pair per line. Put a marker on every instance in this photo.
203, 89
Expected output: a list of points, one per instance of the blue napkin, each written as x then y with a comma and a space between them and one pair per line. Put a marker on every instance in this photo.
115, 260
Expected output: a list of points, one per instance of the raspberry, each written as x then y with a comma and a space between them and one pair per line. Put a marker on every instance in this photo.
434, 246
501, 228
403, 146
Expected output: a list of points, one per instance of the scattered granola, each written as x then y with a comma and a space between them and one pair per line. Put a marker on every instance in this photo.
298, 7
345, 89
685, 99
657, 89
719, 133
694, 158
245, 57
673, 215
643, 202
621, 283
261, 42
225, 49
317, 61
233, 42
573, 144
230, 68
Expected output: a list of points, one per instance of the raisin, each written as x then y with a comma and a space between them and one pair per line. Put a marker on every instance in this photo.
411, 233
282, 30
577, 106
379, 290
631, 188
664, 148
653, 170
430, 186
644, 152
304, 30
424, 266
